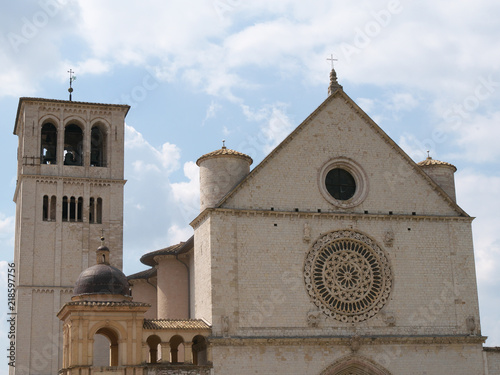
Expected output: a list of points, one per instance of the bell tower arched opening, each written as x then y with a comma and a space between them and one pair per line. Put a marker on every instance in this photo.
48, 152
73, 145
98, 150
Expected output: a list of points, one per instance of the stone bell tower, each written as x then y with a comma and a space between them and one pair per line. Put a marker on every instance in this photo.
69, 192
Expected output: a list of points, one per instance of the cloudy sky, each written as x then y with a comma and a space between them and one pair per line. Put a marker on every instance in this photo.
196, 72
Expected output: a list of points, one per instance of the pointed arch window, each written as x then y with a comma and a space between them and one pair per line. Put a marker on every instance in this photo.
48, 152
97, 147
73, 145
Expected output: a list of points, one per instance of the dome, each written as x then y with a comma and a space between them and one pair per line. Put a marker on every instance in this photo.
224, 151
432, 162
102, 278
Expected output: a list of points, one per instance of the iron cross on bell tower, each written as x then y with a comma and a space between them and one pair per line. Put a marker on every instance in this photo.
71, 79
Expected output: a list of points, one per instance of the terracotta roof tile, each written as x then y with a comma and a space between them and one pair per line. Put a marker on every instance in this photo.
180, 248
224, 151
146, 274
175, 324
431, 161
108, 303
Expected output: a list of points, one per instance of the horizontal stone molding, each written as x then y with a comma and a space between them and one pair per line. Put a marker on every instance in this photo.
329, 215
74, 180
347, 340
63, 289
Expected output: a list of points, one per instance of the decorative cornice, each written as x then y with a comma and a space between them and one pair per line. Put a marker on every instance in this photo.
55, 105
48, 287
321, 215
43, 290
495, 349
346, 340
110, 306
76, 180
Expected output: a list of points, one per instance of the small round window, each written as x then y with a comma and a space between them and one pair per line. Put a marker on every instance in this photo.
343, 182
340, 184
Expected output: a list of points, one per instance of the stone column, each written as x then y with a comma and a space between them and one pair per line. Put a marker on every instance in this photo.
188, 353
145, 352
209, 353
165, 352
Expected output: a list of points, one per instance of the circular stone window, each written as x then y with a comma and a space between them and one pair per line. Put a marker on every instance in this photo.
340, 184
343, 183
347, 276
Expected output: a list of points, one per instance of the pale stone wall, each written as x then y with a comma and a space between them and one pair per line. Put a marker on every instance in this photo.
314, 360
492, 360
443, 175
258, 276
142, 291
173, 300
202, 272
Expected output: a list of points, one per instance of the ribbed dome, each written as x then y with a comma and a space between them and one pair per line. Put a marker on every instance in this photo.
102, 279
224, 152
430, 162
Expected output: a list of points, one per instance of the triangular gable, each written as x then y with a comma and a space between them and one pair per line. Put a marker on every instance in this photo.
229, 199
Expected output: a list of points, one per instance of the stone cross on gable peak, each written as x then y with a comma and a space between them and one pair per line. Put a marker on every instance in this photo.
334, 85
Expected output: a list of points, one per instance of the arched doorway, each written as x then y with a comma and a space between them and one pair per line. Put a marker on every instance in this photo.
101, 351
355, 365
112, 339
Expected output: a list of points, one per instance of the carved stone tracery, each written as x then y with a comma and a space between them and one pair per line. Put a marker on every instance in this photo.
348, 276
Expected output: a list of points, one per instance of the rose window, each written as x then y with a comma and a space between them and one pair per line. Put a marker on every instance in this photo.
348, 276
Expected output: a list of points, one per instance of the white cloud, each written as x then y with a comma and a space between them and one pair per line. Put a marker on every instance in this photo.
275, 126
178, 234
90, 66
211, 111
165, 158
6, 226
366, 104
414, 147
186, 195
276, 129
476, 193
477, 138
402, 102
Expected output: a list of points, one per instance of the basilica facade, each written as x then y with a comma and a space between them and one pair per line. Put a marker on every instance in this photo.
336, 255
